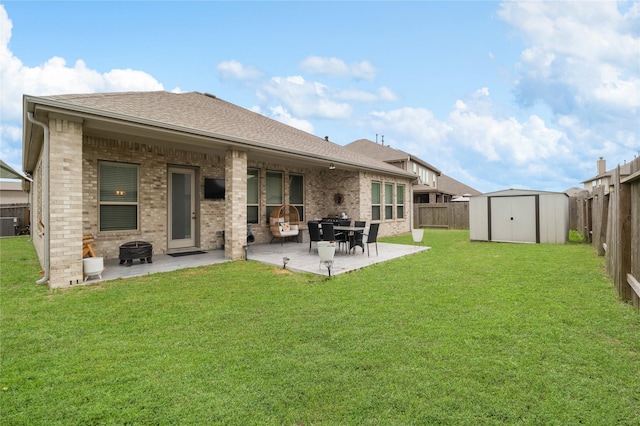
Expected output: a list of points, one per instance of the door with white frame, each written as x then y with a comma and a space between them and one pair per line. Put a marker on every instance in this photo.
513, 219
182, 208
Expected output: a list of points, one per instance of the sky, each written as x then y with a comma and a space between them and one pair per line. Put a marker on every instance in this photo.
494, 94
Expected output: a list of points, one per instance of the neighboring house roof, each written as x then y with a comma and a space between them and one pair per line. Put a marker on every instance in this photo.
574, 191
449, 185
7, 172
197, 119
386, 153
625, 170
446, 184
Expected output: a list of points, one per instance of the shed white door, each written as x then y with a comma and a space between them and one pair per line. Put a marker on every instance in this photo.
513, 219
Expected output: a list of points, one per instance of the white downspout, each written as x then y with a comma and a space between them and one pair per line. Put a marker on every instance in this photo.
45, 198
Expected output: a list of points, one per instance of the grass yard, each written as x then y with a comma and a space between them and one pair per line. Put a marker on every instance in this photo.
467, 333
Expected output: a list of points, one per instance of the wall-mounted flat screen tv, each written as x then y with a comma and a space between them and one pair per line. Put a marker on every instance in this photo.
213, 189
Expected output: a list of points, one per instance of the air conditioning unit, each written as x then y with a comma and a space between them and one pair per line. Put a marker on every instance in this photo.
8, 226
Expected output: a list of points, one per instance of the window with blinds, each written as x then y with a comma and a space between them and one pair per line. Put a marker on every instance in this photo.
375, 200
388, 201
275, 192
118, 196
400, 201
296, 193
253, 195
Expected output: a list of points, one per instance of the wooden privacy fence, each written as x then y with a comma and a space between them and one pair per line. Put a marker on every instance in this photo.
11, 214
610, 219
446, 215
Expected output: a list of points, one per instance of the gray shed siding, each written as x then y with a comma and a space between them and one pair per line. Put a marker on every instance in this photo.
517, 215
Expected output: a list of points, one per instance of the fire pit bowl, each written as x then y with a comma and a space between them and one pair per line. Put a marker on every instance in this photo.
136, 250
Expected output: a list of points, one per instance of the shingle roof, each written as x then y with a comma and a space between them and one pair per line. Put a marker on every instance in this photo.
446, 184
452, 186
7, 172
204, 114
385, 153
625, 170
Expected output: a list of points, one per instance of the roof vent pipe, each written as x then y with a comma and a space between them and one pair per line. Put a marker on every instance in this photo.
45, 198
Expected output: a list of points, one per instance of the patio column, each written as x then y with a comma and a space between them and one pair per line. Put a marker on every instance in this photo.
235, 223
65, 201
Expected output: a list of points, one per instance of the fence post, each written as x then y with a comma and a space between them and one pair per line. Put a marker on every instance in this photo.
623, 240
604, 216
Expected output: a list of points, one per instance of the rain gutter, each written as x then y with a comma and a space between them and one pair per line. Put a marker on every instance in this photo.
45, 198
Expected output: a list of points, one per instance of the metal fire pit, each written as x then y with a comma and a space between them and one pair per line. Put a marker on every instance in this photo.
136, 250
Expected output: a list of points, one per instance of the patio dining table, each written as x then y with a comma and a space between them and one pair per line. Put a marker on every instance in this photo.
351, 233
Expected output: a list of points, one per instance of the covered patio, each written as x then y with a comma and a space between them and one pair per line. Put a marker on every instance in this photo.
300, 260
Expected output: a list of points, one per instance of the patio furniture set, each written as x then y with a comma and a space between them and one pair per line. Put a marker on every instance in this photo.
345, 233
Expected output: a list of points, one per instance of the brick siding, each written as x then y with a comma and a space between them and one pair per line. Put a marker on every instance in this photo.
74, 207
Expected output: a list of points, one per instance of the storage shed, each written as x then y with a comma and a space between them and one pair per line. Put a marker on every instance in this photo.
519, 215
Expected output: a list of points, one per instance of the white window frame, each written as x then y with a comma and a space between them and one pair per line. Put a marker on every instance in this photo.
376, 207
298, 205
400, 201
388, 201
254, 205
271, 204
135, 203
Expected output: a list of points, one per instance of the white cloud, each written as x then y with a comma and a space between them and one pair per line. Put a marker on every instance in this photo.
581, 55
281, 114
386, 94
500, 139
234, 70
474, 141
418, 124
53, 76
382, 94
336, 67
305, 99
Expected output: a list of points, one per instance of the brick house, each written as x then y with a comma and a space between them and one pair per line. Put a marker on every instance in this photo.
143, 166
432, 187
603, 178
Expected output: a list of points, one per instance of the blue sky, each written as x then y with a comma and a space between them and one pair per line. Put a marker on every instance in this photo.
496, 95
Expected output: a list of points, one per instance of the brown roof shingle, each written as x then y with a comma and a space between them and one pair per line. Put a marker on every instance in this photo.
385, 153
207, 115
456, 188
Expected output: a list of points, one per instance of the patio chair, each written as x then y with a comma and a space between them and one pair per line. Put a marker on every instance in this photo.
358, 235
314, 233
329, 234
372, 236
284, 222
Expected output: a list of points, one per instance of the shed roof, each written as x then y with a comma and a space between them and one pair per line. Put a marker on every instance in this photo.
203, 116
517, 192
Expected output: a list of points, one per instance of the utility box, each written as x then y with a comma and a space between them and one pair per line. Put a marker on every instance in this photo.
8, 226
519, 215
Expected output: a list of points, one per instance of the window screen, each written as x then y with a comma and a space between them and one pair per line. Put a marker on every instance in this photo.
118, 188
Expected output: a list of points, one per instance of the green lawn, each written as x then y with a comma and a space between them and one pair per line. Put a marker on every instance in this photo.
467, 333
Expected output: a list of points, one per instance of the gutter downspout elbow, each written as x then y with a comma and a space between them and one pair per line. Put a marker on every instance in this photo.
45, 198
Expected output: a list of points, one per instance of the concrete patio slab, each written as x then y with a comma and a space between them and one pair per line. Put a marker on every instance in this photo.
303, 260
300, 260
